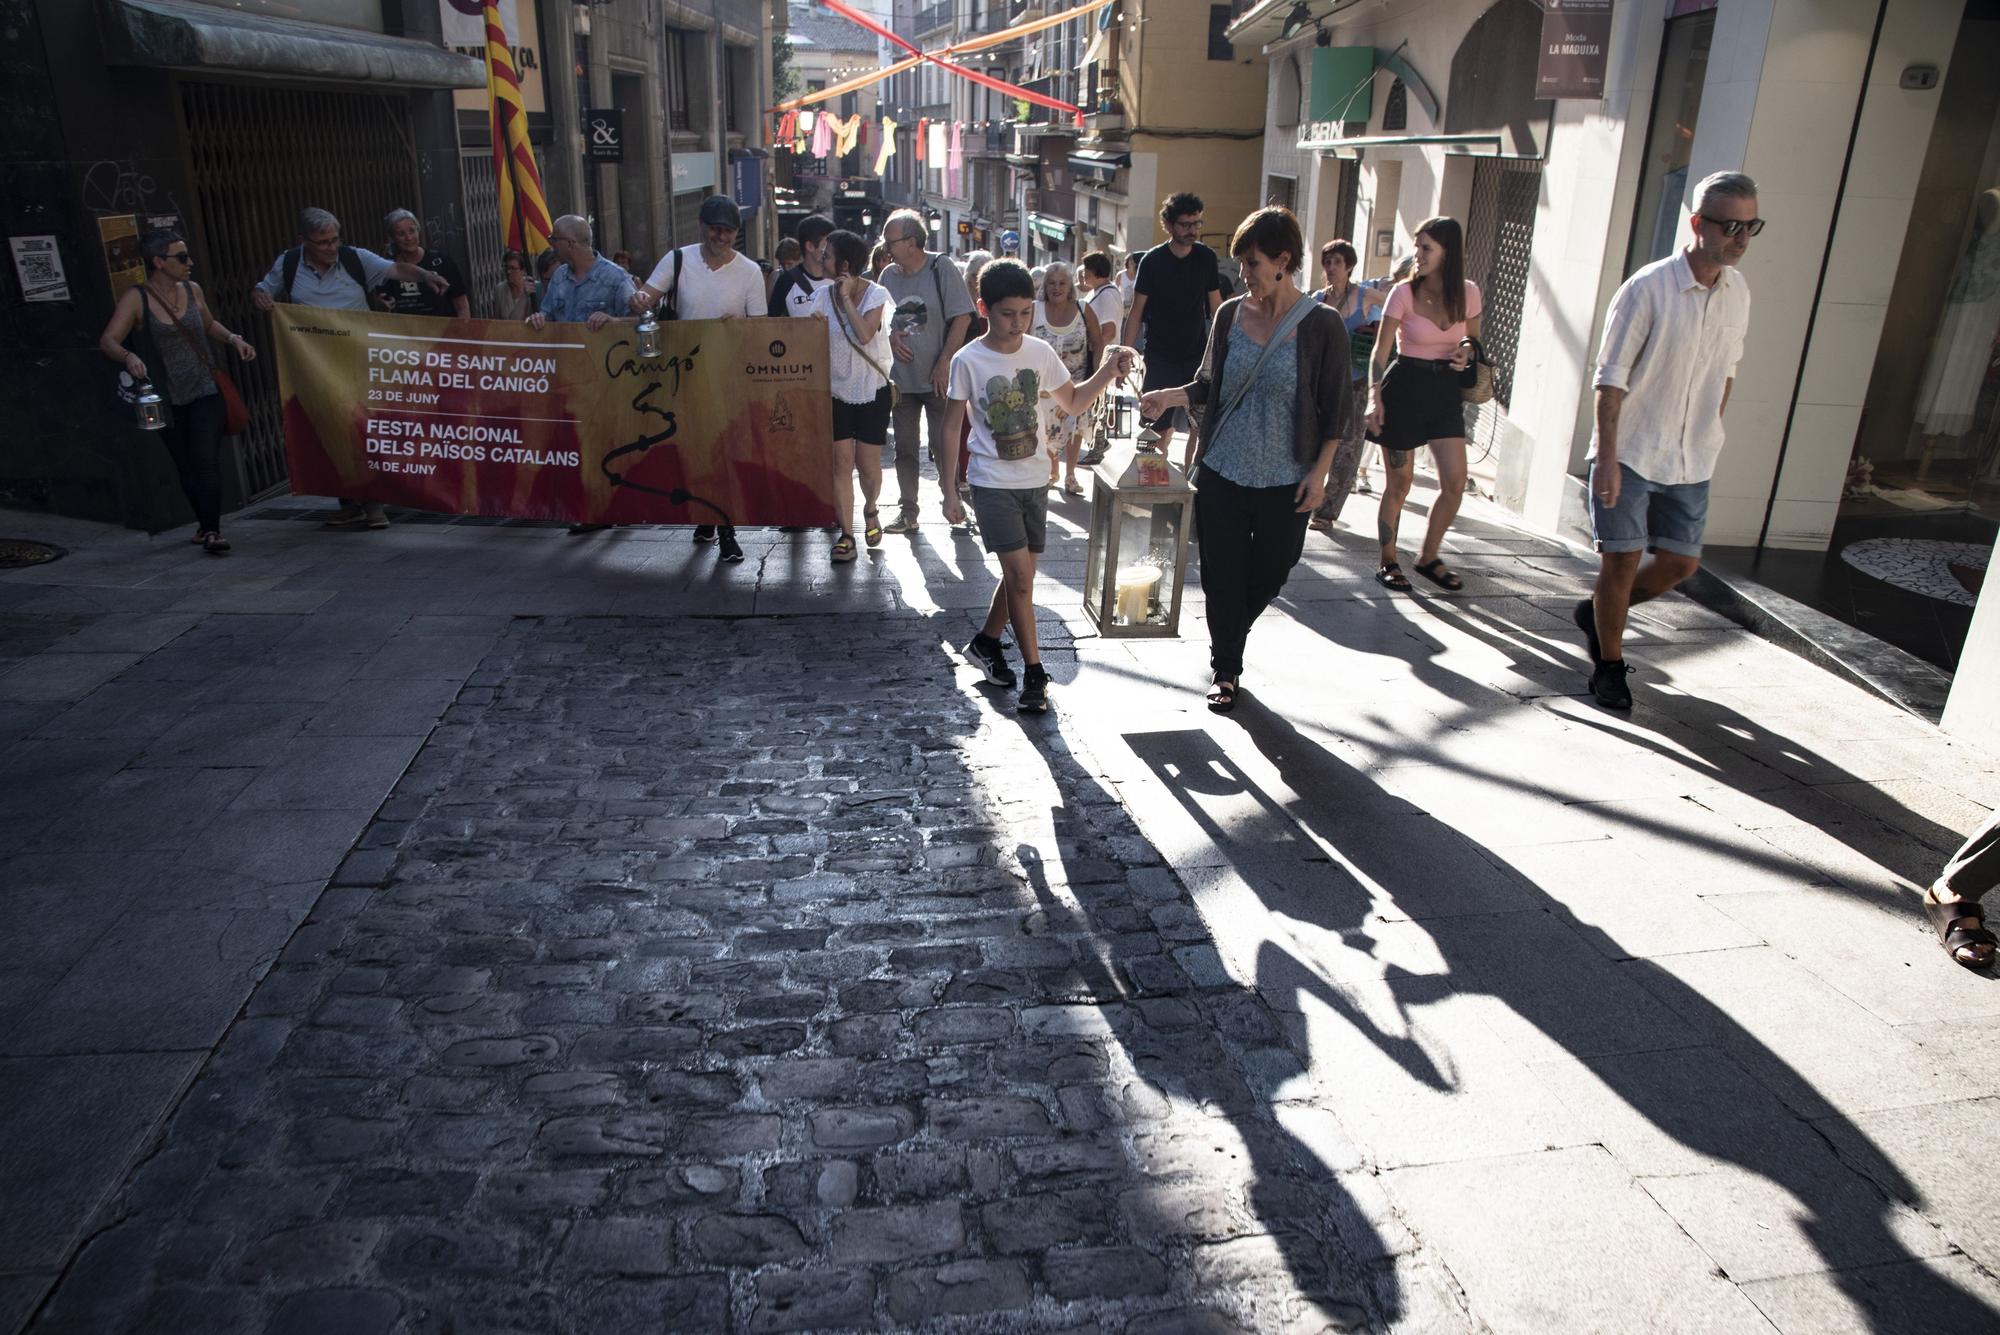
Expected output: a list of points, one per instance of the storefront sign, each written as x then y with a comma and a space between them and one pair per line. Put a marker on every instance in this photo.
729, 424
694, 171
1343, 87
1576, 43
604, 135
464, 25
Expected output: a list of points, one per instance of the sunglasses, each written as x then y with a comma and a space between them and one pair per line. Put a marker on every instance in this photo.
180, 255
1730, 227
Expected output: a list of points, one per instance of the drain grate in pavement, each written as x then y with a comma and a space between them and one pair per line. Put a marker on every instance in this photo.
19, 553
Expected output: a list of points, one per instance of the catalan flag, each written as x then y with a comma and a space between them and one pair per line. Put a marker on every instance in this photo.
524, 213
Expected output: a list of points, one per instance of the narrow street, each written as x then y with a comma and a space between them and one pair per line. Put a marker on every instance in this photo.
469, 927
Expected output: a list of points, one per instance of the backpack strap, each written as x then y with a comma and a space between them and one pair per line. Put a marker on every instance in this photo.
674, 288
292, 257
352, 263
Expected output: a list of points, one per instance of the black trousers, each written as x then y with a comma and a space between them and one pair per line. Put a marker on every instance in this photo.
1250, 538
193, 438
1975, 868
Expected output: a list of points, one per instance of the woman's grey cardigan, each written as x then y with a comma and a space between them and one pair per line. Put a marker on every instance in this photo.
1326, 382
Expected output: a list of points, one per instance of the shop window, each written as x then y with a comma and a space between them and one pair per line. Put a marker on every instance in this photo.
1282, 191
1669, 138
680, 113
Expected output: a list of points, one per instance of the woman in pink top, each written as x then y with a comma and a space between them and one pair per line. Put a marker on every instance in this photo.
1413, 398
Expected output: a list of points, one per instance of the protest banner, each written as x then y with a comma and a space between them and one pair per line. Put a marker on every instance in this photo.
731, 423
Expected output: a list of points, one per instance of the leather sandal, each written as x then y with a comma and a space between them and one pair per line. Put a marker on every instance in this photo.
1221, 697
1392, 578
1961, 928
1434, 570
843, 548
872, 532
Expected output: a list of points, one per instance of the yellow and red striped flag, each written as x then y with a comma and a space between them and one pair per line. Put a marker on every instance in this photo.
524, 213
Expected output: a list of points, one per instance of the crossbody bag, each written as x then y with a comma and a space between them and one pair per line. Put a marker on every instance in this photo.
235, 414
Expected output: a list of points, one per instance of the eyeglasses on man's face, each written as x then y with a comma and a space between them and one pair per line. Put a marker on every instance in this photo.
1732, 227
181, 256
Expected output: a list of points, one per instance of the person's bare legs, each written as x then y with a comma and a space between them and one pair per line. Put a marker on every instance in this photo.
843, 484
1626, 579
1071, 452
869, 459
1014, 601
1449, 456
1397, 479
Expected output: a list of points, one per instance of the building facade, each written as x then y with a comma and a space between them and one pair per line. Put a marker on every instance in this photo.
1862, 427
225, 119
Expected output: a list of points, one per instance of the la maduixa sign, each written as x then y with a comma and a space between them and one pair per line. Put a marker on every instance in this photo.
1576, 47
729, 424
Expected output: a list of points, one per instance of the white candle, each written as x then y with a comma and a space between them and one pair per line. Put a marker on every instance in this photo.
1135, 592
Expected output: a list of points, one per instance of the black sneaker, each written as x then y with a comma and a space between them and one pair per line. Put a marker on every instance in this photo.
1585, 618
729, 551
704, 533
986, 654
1607, 683
1034, 690
578, 530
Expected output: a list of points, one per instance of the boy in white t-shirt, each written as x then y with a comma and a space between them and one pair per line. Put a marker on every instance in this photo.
1000, 379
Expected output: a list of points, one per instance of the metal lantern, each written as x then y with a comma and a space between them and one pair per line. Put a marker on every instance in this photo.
1140, 511
1123, 408
148, 408
648, 335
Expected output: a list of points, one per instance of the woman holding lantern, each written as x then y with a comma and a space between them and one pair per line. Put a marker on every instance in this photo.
1271, 403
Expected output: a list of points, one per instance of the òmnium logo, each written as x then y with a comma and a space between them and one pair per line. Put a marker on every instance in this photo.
778, 368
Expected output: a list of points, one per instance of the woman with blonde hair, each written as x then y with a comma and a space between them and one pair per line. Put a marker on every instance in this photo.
1061, 321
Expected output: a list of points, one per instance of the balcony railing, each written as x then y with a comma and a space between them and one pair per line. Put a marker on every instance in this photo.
934, 16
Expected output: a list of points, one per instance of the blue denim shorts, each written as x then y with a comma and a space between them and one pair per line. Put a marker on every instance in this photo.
1649, 516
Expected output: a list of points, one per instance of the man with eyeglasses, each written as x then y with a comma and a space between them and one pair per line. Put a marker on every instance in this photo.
584, 287
1672, 339
320, 271
1173, 302
932, 312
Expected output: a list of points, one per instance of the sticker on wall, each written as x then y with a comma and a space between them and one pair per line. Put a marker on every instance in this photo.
39, 266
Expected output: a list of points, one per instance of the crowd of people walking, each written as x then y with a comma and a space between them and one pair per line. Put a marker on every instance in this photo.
1282, 392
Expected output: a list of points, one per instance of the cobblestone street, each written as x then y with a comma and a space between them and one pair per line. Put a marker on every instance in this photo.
471, 929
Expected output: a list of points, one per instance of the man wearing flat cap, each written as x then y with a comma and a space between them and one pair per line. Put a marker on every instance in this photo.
711, 280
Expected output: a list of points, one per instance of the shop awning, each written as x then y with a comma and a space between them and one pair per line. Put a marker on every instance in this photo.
1055, 229
182, 35
1479, 145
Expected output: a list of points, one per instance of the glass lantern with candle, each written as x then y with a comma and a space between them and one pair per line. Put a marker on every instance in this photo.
1140, 512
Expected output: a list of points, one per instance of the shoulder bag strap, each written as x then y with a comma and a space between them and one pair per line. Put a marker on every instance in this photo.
1293, 319
205, 355
833, 299
674, 289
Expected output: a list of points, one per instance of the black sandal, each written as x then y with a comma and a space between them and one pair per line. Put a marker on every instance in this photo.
1435, 572
215, 544
1221, 697
1392, 578
1947, 915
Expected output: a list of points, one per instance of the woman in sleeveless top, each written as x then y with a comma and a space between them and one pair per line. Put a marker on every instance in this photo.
1415, 400
173, 325
1060, 322
1359, 308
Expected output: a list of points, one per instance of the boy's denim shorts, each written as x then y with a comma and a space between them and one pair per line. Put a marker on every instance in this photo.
1649, 516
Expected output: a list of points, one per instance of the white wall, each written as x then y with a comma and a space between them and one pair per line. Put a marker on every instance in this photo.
1874, 214
1973, 711
1582, 222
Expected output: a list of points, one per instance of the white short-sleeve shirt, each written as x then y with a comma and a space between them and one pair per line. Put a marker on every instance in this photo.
1672, 345
853, 379
1107, 305
1002, 392
737, 288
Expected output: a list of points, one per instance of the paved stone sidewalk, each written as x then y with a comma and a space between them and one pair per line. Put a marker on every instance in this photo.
465, 927
744, 975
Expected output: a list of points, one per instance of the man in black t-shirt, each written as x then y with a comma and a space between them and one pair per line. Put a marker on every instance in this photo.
1173, 302
406, 243
793, 293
